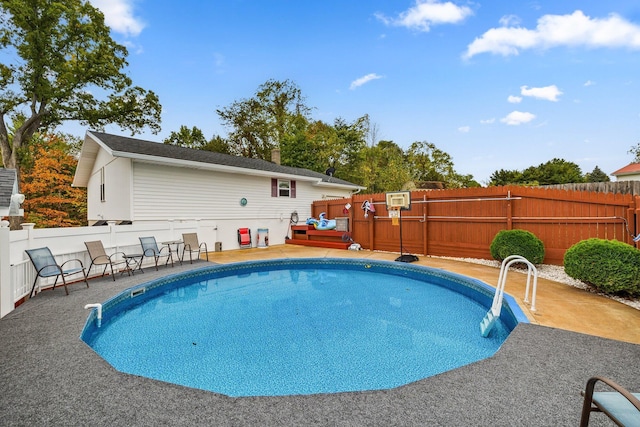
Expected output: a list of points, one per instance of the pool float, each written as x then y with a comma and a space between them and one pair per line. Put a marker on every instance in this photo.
322, 223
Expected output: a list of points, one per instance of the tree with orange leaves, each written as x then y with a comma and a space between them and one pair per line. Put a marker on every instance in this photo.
46, 180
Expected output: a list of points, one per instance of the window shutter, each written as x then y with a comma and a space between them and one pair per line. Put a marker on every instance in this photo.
274, 187
293, 190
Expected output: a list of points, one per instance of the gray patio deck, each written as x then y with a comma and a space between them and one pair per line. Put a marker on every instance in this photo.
50, 377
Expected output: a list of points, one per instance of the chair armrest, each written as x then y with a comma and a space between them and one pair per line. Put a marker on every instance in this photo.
72, 260
617, 387
114, 255
149, 252
588, 405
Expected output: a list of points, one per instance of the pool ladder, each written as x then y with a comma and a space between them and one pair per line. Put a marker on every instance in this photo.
494, 312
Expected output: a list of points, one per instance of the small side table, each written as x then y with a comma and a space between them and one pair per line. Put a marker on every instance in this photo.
134, 262
170, 245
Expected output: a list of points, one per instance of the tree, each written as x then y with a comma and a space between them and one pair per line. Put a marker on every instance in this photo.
346, 152
555, 171
50, 200
505, 177
218, 144
259, 124
185, 137
597, 175
63, 61
386, 168
428, 163
301, 148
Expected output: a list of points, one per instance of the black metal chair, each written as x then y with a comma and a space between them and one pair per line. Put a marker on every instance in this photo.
46, 266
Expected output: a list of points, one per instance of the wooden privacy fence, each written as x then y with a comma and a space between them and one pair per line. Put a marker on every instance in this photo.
463, 222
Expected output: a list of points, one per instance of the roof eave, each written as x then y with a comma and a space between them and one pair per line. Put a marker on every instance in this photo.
87, 159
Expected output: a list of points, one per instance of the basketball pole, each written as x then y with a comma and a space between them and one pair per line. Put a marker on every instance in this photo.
407, 257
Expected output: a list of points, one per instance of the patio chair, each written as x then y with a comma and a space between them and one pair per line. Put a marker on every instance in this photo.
46, 266
621, 406
191, 244
99, 257
150, 249
244, 237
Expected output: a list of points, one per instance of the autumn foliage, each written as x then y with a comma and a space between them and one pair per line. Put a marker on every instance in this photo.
46, 180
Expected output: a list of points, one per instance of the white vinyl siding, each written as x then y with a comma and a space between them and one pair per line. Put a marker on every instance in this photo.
165, 192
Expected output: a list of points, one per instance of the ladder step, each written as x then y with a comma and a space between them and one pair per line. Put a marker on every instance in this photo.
487, 323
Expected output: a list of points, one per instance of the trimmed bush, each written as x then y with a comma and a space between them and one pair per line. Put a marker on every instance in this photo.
517, 242
611, 266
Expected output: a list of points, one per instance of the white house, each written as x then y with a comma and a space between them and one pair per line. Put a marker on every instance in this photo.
10, 199
130, 180
631, 172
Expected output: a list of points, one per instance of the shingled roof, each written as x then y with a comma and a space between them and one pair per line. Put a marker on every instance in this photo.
120, 146
7, 183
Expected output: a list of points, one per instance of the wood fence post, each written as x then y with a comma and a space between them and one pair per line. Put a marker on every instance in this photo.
633, 219
425, 225
509, 211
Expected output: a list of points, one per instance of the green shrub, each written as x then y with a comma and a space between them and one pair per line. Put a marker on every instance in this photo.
517, 242
610, 266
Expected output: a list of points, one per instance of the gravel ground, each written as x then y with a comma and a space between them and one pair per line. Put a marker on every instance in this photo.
557, 274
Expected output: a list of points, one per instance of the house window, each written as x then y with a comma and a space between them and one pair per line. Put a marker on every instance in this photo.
102, 193
283, 188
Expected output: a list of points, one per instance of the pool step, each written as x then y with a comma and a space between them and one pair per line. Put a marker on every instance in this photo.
488, 321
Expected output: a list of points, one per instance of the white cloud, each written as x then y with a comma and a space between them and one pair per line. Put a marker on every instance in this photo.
464, 129
488, 121
509, 21
426, 13
551, 31
364, 79
549, 93
514, 99
118, 14
516, 118
589, 83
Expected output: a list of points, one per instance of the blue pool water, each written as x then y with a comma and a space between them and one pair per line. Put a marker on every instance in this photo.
298, 327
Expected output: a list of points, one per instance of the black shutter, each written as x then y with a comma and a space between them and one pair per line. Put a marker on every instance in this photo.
293, 189
274, 187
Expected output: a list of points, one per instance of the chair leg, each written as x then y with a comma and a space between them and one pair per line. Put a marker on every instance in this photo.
56, 282
112, 273
64, 282
33, 288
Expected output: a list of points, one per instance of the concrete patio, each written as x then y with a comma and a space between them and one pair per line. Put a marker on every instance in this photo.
50, 377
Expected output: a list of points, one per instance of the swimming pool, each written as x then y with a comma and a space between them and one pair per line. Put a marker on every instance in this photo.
295, 326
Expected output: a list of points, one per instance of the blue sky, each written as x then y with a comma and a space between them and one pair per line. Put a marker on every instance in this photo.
495, 84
